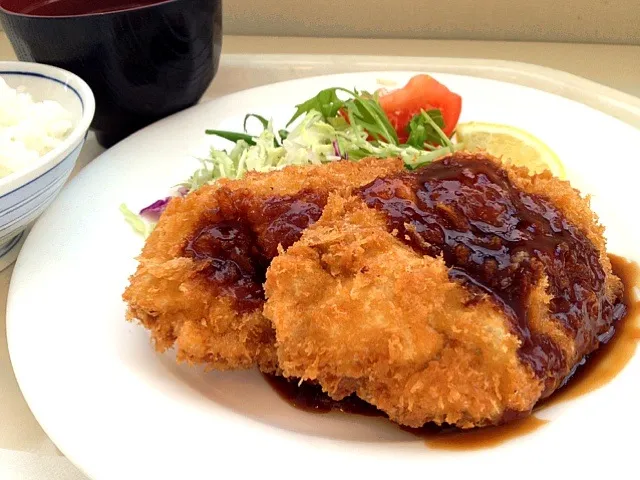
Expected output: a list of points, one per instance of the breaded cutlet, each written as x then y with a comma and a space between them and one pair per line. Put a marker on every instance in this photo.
460, 293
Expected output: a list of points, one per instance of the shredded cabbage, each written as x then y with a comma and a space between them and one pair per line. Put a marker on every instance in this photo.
310, 143
137, 223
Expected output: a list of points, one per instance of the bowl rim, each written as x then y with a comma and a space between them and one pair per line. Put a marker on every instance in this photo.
77, 136
82, 15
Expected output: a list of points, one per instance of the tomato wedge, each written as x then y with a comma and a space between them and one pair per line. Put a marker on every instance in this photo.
421, 93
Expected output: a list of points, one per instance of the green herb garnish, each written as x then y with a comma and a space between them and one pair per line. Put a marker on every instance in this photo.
365, 111
263, 121
232, 136
422, 134
327, 103
362, 109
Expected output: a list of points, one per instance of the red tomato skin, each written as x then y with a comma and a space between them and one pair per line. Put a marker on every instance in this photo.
423, 92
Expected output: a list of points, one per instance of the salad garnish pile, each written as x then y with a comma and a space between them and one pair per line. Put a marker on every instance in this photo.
415, 123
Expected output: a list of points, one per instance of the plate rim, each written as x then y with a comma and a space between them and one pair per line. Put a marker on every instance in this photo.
251, 91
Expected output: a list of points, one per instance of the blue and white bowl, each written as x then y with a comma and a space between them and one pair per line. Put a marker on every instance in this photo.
25, 194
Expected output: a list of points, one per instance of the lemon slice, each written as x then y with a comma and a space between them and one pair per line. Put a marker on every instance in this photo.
513, 145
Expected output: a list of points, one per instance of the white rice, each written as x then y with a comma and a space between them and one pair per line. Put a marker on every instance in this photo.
28, 129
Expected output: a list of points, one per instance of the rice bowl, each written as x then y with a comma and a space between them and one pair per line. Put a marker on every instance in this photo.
51, 144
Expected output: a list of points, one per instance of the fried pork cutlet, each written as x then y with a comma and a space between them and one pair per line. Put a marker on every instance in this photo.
462, 292
198, 285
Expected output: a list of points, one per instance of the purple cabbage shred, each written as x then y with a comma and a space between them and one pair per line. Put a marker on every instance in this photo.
153, 211
336, 149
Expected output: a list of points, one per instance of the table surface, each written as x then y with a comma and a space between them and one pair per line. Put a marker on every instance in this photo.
25, 450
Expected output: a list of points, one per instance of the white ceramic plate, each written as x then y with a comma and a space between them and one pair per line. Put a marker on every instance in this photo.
120, 411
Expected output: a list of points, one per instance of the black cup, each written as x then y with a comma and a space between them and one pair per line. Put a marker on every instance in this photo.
142, 63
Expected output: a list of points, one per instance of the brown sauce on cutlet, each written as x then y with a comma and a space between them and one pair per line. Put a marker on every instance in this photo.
237, 241
280, 221
499, 241
236, 267
603, 365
